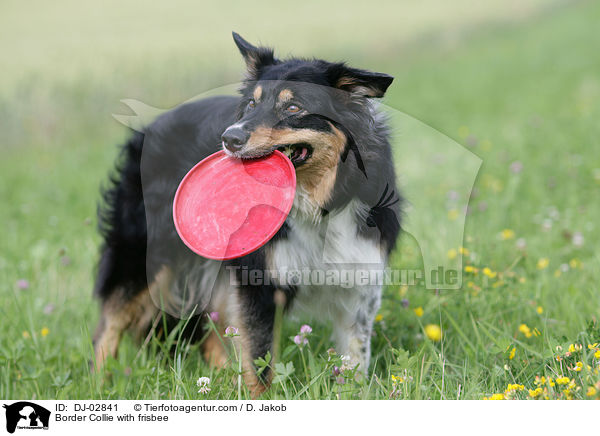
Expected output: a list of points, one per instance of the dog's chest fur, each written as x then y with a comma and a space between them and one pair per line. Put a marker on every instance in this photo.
329, 246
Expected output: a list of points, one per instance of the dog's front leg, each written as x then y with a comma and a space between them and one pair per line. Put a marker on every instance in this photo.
252, 312
353, 325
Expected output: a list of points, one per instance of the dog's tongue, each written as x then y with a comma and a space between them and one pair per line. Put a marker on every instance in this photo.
302, 154
226, 208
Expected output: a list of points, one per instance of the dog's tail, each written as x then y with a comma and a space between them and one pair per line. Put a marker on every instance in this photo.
122, 224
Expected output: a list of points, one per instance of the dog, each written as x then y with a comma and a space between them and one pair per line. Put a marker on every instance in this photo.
345, 217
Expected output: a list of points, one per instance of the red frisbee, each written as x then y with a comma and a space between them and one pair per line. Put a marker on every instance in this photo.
226, 208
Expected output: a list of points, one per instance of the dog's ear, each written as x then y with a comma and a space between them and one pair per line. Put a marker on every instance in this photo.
361, 83
255, 57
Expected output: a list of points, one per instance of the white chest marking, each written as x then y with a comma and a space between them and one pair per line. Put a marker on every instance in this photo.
327, 248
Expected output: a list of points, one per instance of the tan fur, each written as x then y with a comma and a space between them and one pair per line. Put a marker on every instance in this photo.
317, 176
252, 61
344, 81
115, 319
243, 349
214, 351
257, 93
284, 96
214, 347
356, 88
117, 316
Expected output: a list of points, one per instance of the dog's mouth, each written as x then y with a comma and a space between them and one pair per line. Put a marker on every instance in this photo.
298, 153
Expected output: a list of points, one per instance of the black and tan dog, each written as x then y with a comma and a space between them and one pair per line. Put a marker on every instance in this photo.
345, 217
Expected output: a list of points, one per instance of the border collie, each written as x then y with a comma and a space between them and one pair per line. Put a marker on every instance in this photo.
345, 217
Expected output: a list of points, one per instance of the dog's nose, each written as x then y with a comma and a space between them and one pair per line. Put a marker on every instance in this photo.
234, 138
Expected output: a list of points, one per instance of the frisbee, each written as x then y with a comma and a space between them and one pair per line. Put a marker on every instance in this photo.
226, 208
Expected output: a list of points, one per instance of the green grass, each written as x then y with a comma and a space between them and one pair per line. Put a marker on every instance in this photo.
523, 91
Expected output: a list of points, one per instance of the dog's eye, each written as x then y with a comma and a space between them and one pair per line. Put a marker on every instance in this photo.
251, 104
293, 108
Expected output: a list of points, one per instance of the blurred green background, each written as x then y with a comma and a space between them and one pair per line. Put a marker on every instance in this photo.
516, 82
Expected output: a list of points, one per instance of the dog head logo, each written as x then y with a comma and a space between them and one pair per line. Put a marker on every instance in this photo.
26, 415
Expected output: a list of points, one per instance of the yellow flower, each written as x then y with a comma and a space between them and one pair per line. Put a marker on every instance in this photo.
557, 273
591, 391
507, 234
562, 380
539, 381
418, 311
44, 332
543, 263
514, 387
471, 269
488, 272
535, 392
512, 353
522, 279
379, 317
464, 251
575, 263
452, 214
403, 290
597, 354
26, 334
452, 254
433, 332
592, 346
496, 397
397, 379
525, 330
578, 366
539, 310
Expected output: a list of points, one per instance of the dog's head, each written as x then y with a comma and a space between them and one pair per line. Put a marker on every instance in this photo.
307, 109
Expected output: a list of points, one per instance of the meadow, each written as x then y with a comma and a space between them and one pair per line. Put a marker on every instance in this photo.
518, 86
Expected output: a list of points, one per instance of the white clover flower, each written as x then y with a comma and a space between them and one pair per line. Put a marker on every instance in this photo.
203, 383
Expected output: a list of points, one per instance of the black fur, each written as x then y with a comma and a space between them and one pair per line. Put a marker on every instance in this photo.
122, 224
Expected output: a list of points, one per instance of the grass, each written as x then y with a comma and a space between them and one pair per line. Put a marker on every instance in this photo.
523, 92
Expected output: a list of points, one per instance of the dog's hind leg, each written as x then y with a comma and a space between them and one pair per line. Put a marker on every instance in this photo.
120, 311
214, 350
117, 315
